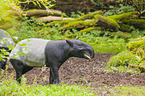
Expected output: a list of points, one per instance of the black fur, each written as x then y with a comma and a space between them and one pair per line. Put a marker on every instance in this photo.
4, 61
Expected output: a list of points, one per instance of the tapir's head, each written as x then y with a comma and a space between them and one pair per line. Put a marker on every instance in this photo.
80, 49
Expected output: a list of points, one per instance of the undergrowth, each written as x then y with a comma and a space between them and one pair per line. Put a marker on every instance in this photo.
131, 60
121, 90
12, 88
35, 29
9, 87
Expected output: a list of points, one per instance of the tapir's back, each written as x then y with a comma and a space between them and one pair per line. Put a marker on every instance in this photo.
30, 51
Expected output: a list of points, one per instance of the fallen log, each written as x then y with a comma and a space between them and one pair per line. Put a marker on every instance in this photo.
107, 23
137, 23
39, 13
53, 18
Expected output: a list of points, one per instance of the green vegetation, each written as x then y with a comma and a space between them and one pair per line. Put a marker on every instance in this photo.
130, 59
120, 90
9, 13
128, 90
12, 88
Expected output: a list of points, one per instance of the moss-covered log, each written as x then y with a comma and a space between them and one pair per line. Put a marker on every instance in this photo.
137, 23
125, 27
78, 24
88, 29
114, 23
90, 16
108, 23
124, 16
39, 13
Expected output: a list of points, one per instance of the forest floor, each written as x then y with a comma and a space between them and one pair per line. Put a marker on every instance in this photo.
80, 71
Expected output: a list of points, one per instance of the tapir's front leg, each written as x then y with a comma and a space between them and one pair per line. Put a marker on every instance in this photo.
51, 80
54, 75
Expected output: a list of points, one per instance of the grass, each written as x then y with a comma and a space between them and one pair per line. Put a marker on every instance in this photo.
104, 44
127, 91
12, 88
120, 90
9, 87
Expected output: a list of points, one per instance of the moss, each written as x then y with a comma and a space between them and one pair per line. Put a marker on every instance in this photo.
6, 25
132, 57
140, 52
60, 22
122, 16
125, 27
89, 16
112, 21
88, 29
134, 45
96, 17
124, 58
137, 23
33, 10
77, 23
141, 66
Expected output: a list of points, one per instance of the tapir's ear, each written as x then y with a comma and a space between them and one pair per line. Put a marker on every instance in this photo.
69, 42
76, 38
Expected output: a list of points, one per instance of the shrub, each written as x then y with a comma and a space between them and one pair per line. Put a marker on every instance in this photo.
133, 56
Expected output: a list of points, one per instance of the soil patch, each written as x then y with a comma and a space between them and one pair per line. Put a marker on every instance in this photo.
84, 72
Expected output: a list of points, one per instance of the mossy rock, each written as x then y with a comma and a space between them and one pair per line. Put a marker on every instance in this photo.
137, 23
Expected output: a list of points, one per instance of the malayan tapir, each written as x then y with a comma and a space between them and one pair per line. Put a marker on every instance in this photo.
40, 52
5, 41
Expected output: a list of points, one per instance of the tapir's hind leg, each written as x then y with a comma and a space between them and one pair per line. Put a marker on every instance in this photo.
20, 68
3, 64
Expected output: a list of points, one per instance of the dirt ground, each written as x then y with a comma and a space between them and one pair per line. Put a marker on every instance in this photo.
84, 72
